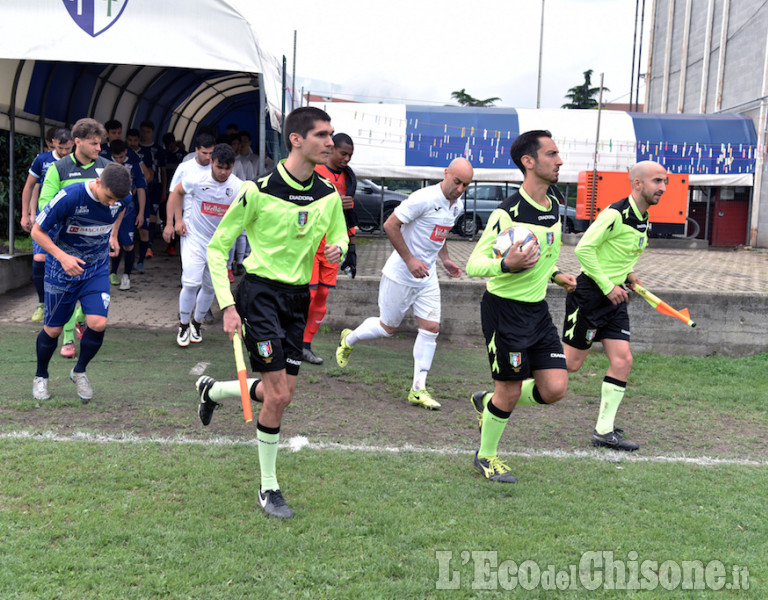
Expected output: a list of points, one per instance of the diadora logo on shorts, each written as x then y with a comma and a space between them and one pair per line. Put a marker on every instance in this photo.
95, 16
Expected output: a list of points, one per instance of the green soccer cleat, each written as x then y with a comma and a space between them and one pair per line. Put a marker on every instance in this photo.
39, 312
114, 279
493, 469
479, 401
344, 350
423, 398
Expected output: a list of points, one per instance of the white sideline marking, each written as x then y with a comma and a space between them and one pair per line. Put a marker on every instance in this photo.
297, 443
199, 369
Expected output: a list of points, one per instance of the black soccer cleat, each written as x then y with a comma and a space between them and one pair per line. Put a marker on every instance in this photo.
613, 440
207, 406
273, 503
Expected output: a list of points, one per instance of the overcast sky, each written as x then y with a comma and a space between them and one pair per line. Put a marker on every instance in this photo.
419, 51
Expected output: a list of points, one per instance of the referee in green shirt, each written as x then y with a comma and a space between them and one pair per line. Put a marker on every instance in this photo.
285, 214
526, 357
597, 309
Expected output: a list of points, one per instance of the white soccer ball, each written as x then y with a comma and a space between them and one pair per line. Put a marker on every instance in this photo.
512, 235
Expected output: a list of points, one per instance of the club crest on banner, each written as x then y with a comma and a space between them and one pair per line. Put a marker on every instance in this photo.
95, 16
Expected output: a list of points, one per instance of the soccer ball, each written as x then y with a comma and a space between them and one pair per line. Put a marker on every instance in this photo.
510, 236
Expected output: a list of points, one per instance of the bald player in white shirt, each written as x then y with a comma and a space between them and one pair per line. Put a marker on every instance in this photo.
417, 229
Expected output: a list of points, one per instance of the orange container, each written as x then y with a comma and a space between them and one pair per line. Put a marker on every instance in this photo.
667, 217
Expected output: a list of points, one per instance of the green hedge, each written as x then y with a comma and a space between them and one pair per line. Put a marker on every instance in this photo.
25, 149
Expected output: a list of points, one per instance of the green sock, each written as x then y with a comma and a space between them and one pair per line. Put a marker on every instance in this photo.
68, 335
221, 390
494, 423
79, 314
529, 394
612, 395
268, 457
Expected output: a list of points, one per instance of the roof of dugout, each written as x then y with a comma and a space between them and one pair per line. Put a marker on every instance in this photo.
133, 60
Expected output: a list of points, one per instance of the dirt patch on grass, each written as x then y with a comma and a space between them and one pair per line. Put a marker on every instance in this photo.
332, 405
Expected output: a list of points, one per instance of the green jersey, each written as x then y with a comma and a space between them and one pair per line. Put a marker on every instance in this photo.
611, 246
67, 171
530, 285
284, 220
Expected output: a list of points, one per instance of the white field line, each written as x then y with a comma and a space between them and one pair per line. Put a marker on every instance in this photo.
299, 442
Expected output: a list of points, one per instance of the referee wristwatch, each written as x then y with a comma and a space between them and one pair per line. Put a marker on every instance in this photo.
504, 267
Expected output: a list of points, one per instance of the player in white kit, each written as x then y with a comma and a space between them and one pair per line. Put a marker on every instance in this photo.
205, 198
417, 229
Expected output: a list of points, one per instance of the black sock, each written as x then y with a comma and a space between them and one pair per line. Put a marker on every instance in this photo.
38, 276
115, 265
143, 247
130, 257
89, 346
46, 346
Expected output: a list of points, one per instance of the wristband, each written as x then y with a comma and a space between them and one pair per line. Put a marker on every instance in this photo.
504, 267
555, 274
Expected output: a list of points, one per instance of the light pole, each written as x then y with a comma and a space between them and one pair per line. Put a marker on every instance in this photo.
541, 52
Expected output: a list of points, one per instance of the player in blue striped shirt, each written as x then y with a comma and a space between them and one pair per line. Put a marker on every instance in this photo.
84, 218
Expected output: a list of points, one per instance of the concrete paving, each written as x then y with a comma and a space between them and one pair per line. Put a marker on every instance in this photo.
152, 301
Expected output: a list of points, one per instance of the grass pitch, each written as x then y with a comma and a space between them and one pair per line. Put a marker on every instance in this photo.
129, 497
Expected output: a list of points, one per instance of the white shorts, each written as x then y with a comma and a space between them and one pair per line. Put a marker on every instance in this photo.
395, 299
194, 264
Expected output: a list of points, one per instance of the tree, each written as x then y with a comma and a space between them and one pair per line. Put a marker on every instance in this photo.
583, 96
465, 99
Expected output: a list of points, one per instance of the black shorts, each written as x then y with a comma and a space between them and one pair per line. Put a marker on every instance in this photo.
595, 317
520, 336
274, 315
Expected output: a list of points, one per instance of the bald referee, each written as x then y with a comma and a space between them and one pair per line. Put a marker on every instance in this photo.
597, 309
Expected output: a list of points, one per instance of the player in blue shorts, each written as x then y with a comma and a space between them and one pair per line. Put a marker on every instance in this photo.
61, 140
84, 218
134, 216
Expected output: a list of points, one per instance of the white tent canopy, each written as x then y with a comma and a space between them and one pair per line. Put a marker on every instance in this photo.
203, 35
180, 64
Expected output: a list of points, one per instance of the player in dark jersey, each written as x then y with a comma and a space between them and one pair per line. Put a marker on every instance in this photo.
285, 214
134, 216
78, 230
82, 165
597, 309
524, 350
324, 274
61, 139
153, 155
